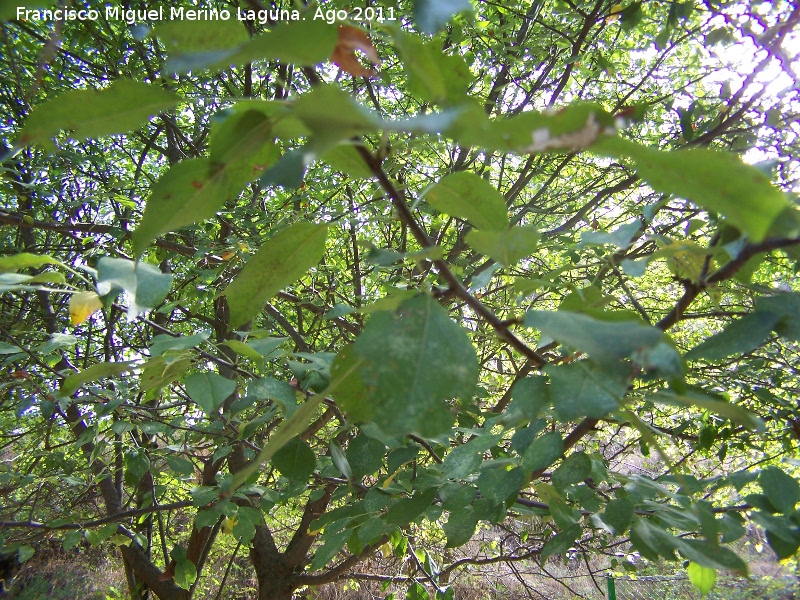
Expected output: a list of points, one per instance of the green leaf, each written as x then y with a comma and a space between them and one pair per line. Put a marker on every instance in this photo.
572, 128
296, 460
734, 412
467, 196
740, 337
460, 526
304, 42
99, 371
25, 553
529, 396
332, 544
430, 16
121, 107
621, 237
405, 510
714, 180
185, 571
499, 485
278, 263
417, 591
145, 285
702, 578
788, 307
25, 260
333, 113
365, 455
193, 45
267, 388
581, 389
209, 390
95, 536
412, 360
561, 542
241, 145
72, 539
433, 75
618, 515
163, 343
781, 489
242, 349
600, 339
187, 193
506, 247
464, 460
543, 451
575, 468
347, 160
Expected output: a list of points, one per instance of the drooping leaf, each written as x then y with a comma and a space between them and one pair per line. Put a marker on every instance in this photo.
185, 572
543, 451
187, 193
296, 460
209, 390
460, 527
25, 260
278, 263
332, 543
741, 336
618, 515
499, 485
121, 107
405, 510
241, 145
581, 389
365, 455
469, 197
561, 542
781, 489
576, 468
412, 361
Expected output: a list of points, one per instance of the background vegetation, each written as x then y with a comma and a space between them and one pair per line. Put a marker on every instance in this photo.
458, 284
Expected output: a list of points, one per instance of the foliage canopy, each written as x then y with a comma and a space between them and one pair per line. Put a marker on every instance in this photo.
324, 284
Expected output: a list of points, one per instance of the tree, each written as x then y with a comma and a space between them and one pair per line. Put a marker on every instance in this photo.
448, 276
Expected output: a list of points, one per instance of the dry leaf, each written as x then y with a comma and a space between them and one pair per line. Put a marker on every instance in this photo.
344, 55
82, 306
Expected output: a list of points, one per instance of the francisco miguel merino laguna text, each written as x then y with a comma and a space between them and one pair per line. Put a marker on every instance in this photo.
173, 13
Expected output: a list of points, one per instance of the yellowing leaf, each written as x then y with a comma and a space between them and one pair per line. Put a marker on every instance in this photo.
228, 524
82, 305
702, 578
